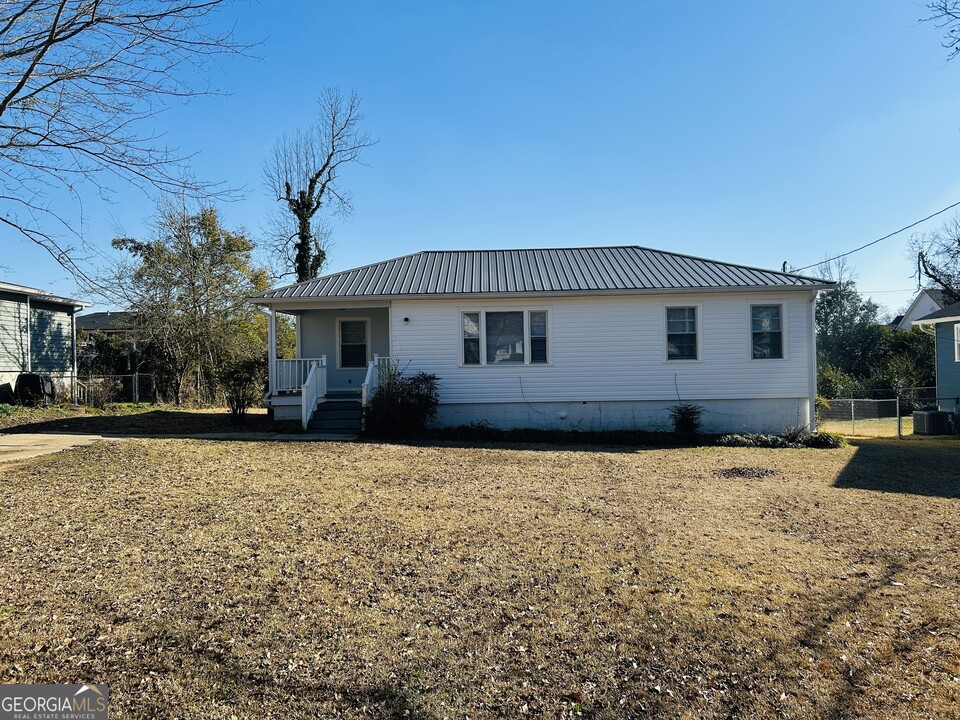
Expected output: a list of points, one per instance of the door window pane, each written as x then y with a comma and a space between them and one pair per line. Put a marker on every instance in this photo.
353, 343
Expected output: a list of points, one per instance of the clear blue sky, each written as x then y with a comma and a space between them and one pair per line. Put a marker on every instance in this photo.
752, 132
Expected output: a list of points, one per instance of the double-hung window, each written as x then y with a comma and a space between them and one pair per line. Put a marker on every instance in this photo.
766, 332
682, 333
504, 337
956, 342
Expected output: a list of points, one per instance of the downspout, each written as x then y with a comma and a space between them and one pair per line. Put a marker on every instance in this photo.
932, 331
29, 343
812, 427
73, 341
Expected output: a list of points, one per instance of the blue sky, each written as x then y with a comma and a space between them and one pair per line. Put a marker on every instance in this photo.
750, 132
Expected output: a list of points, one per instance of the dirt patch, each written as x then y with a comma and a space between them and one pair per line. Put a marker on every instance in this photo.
746, 472
364, 580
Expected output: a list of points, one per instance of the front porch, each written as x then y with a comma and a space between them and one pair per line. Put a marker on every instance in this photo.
338, 356
300, 390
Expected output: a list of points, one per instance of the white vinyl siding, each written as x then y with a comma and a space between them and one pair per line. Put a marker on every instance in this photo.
612, 348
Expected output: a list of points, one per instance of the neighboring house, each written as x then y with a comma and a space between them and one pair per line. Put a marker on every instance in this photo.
944, 325
37, 334
927, 301
109, 323
585, 338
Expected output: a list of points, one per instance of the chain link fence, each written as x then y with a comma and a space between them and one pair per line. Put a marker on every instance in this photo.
101, 390
891, 414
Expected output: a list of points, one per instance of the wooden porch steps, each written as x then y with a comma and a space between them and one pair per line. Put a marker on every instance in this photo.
338, 414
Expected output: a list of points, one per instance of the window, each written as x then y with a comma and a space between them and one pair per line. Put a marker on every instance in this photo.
353, 343
766, 330
956, 342
515, 337
681, 333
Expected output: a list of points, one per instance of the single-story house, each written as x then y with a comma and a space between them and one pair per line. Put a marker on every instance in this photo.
37, 334
575, 338
944, 325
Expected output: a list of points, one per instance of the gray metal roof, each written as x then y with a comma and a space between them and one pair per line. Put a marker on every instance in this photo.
546, 271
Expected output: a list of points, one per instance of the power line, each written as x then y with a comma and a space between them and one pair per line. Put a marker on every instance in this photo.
885, 237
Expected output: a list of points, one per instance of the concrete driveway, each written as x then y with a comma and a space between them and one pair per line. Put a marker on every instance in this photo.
23, 446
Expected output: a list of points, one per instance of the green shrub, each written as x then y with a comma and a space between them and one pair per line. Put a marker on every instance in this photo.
401, 406
793, 438
7, 410
243, 382
686, 419
824, 440
754, 440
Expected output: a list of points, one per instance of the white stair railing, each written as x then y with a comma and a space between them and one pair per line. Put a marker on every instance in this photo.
313, 388
291, 374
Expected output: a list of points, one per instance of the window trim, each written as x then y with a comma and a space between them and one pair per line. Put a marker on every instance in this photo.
482, 312
782, 304
956, 342
698, 315
366, 321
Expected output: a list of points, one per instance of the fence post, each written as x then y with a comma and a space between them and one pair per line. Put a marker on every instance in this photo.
136, 388
899, 432
853, 416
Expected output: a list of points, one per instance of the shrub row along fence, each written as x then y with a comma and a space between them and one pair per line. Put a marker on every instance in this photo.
101, 390
889, 416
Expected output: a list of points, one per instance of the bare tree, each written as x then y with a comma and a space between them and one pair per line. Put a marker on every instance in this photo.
80, 81
938, 259
303, 170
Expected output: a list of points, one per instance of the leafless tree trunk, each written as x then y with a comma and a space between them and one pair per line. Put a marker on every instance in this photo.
78, 81
938, 259
302, 171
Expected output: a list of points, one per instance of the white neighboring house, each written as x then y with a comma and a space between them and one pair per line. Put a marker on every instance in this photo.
928, 300
585, 338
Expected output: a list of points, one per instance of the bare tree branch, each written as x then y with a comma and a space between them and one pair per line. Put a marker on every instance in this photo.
946, 16
79, 82
302, 171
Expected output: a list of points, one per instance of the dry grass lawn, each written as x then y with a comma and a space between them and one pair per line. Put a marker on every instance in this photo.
287, 580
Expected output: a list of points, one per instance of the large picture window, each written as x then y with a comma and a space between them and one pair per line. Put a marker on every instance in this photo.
508, 337
682, 333
353, 343
766, 330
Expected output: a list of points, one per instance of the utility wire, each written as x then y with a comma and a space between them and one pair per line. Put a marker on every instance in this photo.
874, 242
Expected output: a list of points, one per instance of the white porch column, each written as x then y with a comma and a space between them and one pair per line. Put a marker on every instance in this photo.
271, 349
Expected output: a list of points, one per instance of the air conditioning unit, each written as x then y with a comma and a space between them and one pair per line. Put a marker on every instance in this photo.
931, 422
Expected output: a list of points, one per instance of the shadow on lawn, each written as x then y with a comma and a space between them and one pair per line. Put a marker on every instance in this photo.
176, 423
918, 466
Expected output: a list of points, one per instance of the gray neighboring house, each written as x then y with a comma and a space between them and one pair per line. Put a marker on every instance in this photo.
38, 334
109, 323
572, 338
944, 325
